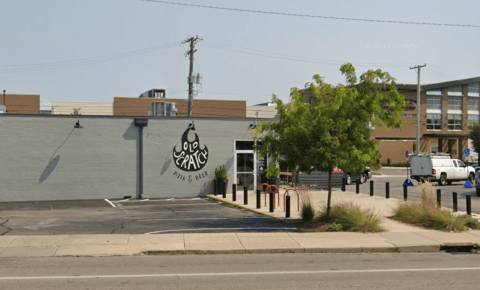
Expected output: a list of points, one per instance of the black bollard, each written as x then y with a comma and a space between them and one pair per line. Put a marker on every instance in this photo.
224, 189
455, 201
272, 200
469, 204
215, 187
245, 195
405, 192
371, 187
344, 182
357, 185
478, 189
234, 192
387, 189
259, 194
287, 206
439, 198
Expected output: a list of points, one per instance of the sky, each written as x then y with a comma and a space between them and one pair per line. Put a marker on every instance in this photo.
95, 50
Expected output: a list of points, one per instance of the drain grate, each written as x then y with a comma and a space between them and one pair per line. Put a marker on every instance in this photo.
459, 248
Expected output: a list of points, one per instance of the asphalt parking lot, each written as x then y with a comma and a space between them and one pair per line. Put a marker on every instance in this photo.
158, 216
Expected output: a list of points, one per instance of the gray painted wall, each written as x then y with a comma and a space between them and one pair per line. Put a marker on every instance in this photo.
45, 158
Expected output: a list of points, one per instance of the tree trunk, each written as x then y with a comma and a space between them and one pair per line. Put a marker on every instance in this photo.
330, 173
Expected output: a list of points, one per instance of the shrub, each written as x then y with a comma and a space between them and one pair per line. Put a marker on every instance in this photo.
471, 223
221, 173
389, 161
307, 209
444, 220
426, 213
427, 191
412, 213
353, 218
334, 227
307, 213
272, 170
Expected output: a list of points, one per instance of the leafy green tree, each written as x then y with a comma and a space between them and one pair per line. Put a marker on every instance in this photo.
335, 129
475, 136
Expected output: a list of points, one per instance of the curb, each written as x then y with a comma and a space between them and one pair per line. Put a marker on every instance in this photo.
344, 250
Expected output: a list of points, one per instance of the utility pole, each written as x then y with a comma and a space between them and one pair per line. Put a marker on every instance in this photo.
193, 41
419, 67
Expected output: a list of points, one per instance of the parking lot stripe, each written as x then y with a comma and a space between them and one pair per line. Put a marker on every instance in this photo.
195, 219
111, 203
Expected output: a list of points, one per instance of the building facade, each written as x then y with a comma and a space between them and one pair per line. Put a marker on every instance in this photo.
447, 110
51, 157
20, 103
123, 106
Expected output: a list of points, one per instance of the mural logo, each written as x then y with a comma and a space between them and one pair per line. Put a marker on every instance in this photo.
190, 157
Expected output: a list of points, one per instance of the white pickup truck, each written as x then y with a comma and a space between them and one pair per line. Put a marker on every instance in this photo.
440, 168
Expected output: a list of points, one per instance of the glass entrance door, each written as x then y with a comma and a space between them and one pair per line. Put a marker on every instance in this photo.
245, 168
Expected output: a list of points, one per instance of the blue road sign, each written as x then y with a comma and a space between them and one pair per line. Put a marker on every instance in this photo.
467, 151
406, 154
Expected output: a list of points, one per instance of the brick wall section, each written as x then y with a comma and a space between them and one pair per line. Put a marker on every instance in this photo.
200, 108
395, 150
21, 104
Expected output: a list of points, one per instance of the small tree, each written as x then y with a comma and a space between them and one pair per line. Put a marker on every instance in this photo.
475, 136
335, 129
76, 111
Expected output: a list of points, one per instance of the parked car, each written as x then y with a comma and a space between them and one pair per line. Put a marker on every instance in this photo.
440, 168
364, 176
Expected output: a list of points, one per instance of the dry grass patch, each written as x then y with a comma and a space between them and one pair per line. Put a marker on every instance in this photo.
348, 216
426, 214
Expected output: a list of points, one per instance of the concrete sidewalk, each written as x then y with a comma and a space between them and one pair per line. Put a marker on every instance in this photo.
398, 238
231, 243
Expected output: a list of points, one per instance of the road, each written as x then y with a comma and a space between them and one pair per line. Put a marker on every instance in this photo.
439, 271
396, 177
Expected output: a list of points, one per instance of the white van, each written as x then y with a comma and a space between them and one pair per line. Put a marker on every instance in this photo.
441, 168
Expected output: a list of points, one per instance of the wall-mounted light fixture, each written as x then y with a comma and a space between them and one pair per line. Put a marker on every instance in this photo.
77, 125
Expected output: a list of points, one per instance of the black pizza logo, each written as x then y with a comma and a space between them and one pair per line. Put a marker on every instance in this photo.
190, 157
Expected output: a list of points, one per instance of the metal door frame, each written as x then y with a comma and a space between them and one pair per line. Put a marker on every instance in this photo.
254, 172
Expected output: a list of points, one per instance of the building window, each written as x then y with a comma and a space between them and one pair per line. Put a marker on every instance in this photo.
434, 148
472, 119
434, 93
474, 90
434, 103
473, 104
455, 91
455, 104
434, 121
473, 109
454, 121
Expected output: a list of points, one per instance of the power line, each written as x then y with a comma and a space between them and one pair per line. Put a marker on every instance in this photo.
13, 68
293, 58
314, 16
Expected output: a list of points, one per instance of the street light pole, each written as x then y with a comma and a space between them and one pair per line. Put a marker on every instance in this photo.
419, 67
4, 97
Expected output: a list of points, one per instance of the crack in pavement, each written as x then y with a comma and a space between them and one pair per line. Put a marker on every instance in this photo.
4, 226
